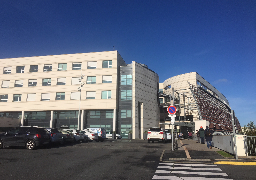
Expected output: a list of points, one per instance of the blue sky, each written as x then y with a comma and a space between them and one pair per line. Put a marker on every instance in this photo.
216, 38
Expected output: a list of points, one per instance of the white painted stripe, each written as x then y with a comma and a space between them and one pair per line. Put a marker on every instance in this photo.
199, 173
204, 165
186, 178
191, 168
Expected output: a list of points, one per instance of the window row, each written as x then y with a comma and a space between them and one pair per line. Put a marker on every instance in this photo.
60, 81
59, 96
61, 67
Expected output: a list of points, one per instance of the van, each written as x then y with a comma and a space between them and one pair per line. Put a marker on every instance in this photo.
101, 133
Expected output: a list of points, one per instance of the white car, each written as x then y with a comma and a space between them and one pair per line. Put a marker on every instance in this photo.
77, 136
155, 134
91, 135
168, 135
101, 132
109, 136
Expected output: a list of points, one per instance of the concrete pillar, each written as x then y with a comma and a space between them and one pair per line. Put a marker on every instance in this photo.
114, 120
51, 121
22, 118
82, 120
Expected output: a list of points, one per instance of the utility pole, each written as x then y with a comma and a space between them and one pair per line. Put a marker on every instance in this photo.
79, 89
234, 132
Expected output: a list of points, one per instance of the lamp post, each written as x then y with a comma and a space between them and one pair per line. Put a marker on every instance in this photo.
79, 89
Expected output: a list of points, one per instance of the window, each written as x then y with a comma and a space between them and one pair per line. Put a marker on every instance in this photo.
75, 80
92, 65
33, 68
20, 69
47, 67
4, 98
45, 97
91, 80
126, 79
94, 114
31, 97
7, 70
32, 82
62, 66
90, 94
18, 83
61, 81
60, 96
5, 84
161, 91
126, 94
46, 82
106, 95
109, 114
106, 79
75, 96
126, 113
161, 100
77, 66
107, 64
16, 97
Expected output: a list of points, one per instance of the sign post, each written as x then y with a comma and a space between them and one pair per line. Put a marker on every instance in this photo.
172, 111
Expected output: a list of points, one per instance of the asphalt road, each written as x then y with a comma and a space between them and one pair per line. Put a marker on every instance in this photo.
115, 160
121, 159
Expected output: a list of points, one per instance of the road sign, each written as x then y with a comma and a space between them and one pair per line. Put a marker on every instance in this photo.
171, 109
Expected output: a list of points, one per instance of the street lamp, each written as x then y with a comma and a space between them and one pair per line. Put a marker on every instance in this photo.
79, 89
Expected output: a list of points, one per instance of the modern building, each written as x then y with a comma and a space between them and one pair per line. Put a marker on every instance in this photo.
198, 103
82, 90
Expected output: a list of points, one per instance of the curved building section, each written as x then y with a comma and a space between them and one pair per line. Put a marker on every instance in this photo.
198, 104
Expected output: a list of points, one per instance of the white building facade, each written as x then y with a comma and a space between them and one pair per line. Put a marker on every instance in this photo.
49, 91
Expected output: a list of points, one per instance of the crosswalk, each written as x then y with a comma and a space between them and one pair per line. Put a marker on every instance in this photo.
189, 171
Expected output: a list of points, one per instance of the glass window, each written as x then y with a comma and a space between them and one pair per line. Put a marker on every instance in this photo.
106, 79
92, 65
75, 96
76, 66
126, 94
107, 64
109, 114
90, 94
45, 97
47, 67
4, 98
60, 96
126, 113
161, 90
18, 83
91, 80
5, 84
32, 82
7, 70
46, 82
94, 114
75, 80
20, 69
126, 79
61, 81
16, 97
161, 100
62, 66
33, 68
106, 95
31, 97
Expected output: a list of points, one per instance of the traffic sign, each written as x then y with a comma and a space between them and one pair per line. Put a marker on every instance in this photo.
171, 109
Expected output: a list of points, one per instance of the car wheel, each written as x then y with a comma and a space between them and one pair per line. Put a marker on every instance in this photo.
1, 144
30, 144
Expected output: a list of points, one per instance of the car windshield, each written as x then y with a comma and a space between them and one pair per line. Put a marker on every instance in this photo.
155, 129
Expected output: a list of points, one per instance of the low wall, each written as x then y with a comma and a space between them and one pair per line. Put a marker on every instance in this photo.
226, 143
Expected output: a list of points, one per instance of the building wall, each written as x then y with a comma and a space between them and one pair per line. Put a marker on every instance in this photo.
53, 104
146, 112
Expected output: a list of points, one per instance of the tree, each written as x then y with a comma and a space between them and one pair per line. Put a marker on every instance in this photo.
250, 129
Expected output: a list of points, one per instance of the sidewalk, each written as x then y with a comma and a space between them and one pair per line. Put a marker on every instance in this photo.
191, 150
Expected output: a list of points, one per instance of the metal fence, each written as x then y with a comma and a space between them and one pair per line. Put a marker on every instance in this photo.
251, 145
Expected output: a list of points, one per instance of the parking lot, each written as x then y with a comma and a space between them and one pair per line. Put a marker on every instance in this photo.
111, 159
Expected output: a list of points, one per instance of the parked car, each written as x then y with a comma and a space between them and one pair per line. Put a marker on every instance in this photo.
91, 135
155, 134
76, 135
55, 135
168, 135
110, 135
68, 136
101, 133
29, 137
85, 136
